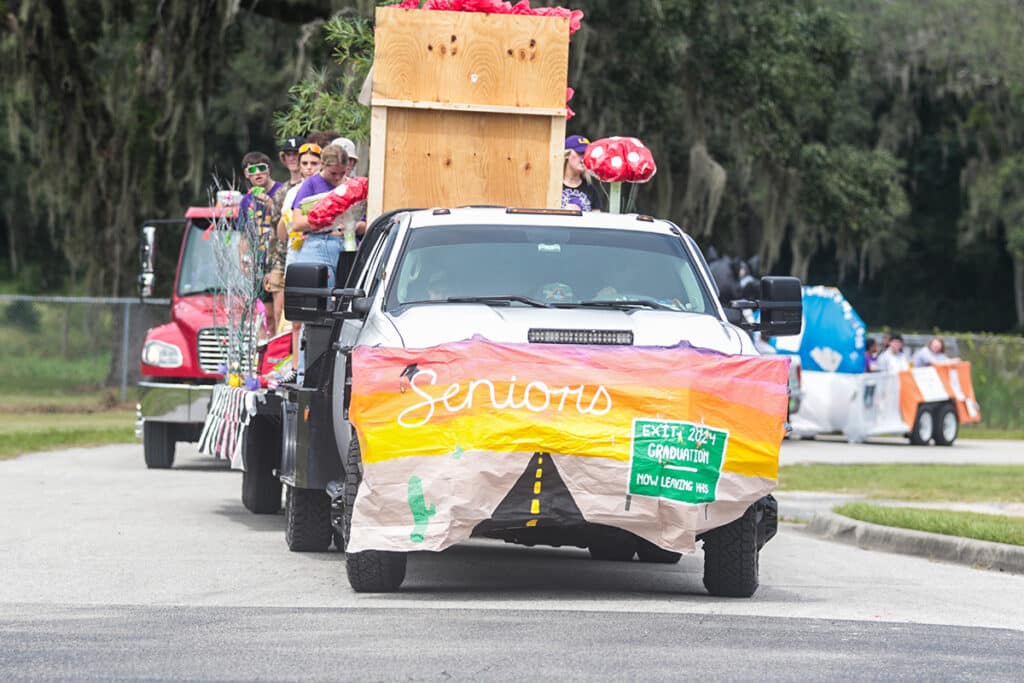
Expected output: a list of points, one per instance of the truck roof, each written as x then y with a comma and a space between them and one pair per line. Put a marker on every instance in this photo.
545, 217
211, 212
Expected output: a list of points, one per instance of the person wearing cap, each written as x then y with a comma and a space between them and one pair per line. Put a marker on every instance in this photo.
318, 246
350, 150
307, 160
289, 157
578, 191
353, 159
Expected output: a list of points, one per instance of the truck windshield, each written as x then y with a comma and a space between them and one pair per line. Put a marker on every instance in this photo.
199, 273
548, 266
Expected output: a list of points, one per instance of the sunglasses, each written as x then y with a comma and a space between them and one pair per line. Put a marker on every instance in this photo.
310, 147
257, 168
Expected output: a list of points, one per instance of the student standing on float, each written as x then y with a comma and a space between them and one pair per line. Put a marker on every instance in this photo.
578, 191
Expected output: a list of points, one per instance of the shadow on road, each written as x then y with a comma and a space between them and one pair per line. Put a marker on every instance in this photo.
235, 512
482, 569
198, 466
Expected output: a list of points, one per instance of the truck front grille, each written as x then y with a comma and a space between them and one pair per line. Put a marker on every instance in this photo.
213, 349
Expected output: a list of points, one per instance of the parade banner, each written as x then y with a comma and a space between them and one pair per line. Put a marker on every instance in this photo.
662, 442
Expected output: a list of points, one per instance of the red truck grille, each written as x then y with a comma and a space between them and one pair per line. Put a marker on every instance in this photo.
213, 349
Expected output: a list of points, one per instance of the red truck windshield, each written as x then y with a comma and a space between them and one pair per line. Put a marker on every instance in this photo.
199, 273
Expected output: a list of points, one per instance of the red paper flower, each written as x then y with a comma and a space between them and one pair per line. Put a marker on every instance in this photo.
620, 160
574, 16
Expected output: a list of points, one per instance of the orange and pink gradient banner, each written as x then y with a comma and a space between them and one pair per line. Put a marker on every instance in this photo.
639, 437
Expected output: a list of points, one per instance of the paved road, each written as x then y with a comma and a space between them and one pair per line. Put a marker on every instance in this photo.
110, 571
832, 449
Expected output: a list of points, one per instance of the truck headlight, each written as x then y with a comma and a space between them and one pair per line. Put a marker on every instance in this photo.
162, 355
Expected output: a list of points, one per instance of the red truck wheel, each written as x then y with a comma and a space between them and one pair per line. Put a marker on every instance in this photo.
158, 445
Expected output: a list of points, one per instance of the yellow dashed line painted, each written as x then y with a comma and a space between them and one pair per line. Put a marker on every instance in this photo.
535, 503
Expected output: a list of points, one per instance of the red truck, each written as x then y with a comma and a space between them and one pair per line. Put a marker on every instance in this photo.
182, 359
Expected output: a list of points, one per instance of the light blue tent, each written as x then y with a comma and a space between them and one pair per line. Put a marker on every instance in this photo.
833, 334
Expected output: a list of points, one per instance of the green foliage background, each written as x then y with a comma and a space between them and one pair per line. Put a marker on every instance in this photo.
873, 144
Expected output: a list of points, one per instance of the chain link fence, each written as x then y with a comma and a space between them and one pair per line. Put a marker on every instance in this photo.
67, 344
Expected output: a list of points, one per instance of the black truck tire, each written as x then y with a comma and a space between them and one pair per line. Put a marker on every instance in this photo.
261, 489
947, 425
369, 571
731, 557
924, 427
307, 514
158, 445
648, 552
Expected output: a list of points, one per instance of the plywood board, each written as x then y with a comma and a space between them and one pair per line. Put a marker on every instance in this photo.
453, 158
378, 133
470, 58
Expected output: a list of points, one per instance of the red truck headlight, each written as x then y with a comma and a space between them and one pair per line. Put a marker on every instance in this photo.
162, 355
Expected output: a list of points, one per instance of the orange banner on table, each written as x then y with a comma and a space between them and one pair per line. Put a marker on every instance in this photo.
524, 435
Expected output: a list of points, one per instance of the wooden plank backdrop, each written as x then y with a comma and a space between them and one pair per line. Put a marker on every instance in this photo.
470, 58
468, 108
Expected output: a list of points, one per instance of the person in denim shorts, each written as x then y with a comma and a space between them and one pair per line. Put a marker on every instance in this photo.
319, 246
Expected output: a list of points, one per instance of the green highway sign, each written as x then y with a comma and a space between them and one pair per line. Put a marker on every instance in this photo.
676, 460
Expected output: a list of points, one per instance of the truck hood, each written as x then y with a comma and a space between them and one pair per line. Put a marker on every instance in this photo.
425, 326
195, 312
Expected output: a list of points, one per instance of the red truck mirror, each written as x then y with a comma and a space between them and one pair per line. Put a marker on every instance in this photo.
147, 259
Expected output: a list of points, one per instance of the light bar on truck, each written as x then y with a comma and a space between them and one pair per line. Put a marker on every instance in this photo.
545, 212
600, 337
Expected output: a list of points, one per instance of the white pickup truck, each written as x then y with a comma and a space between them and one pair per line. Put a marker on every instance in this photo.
422, 279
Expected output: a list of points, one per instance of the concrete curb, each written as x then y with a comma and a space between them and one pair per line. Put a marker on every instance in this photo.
980, 554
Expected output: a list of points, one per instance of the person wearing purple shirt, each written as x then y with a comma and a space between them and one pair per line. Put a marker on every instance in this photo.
256, 167
319, 247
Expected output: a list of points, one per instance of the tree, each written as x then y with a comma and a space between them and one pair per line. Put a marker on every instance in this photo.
950, 78
996, 207
114, 110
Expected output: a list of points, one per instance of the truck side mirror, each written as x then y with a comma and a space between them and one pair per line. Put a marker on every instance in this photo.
781, 305
147, 259
305, 292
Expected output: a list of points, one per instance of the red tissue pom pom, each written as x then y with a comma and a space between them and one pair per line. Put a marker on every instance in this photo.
338, 202
620, 160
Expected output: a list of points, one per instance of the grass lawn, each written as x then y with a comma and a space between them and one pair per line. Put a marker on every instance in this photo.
27, 432
931, 483
997, 528
982, 432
